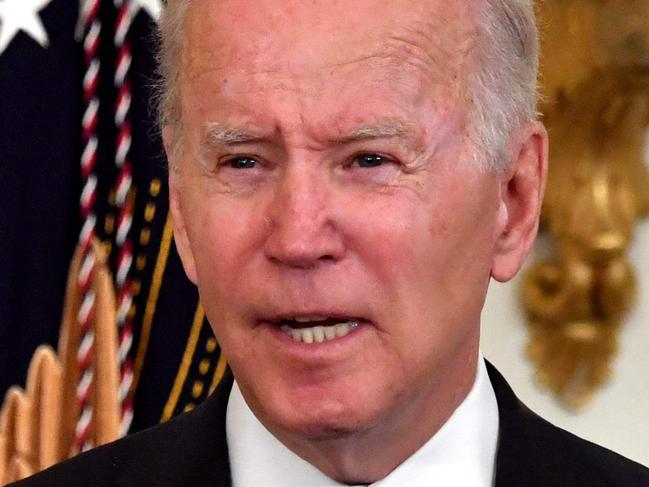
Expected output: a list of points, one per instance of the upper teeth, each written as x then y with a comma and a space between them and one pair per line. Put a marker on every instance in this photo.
305, 319
319, 334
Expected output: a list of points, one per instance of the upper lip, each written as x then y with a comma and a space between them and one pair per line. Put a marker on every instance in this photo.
289, 316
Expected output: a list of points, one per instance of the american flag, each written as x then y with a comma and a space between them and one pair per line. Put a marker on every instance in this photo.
76, 87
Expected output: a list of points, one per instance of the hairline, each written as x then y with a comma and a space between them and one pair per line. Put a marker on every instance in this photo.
502, 86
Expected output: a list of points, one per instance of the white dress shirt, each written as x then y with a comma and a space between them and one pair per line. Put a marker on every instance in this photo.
461, 453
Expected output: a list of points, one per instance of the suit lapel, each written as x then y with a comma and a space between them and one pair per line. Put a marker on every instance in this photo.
518, 460
216, 407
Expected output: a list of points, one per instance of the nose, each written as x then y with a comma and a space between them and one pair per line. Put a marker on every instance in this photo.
303, 232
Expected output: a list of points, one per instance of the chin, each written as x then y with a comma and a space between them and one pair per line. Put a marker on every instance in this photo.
323, 414
320, 427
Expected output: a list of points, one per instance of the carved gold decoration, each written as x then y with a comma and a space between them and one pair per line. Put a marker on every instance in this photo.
595, 76
37, 424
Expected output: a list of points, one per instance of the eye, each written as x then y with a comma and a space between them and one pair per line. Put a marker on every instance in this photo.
370, 160
242, 163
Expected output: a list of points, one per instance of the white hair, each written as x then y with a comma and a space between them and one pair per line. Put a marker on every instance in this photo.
169, 66
503, 87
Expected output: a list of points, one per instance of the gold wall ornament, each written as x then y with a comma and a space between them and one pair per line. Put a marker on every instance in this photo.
37, 424
595, 76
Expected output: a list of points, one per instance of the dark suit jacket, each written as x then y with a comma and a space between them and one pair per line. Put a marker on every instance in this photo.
191, 450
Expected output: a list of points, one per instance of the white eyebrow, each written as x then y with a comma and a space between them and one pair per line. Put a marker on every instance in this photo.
216, 134
386, 129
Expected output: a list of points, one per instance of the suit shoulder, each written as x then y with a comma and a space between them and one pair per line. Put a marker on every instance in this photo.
533, 452
580, 459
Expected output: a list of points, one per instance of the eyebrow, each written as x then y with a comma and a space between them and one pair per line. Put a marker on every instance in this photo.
216, 134
380, 130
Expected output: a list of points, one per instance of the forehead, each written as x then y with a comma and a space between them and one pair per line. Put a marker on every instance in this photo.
315, 68
307, 37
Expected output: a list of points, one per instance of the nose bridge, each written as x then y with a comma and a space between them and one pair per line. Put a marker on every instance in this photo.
299, 201
302, 231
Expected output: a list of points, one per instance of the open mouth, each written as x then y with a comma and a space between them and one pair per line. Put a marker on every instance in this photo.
317, 329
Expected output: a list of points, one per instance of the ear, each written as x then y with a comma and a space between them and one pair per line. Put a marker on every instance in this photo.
522, 186
175, 207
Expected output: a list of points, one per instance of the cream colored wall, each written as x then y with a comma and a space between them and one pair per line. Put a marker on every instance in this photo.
618, 417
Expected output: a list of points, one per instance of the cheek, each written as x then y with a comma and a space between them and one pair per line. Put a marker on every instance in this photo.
428, 253
402, 238
223, 238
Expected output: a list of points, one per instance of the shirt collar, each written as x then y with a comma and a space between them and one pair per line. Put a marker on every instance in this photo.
462, 452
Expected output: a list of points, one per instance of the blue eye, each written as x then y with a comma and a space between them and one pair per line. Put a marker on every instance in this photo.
369, 160
242, 163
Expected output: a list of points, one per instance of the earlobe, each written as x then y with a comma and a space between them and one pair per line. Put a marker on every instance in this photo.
521, 197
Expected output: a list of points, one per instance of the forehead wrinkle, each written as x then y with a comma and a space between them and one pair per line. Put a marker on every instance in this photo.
440, 49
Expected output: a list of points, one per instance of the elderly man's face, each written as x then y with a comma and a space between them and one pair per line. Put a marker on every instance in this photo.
327, 175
